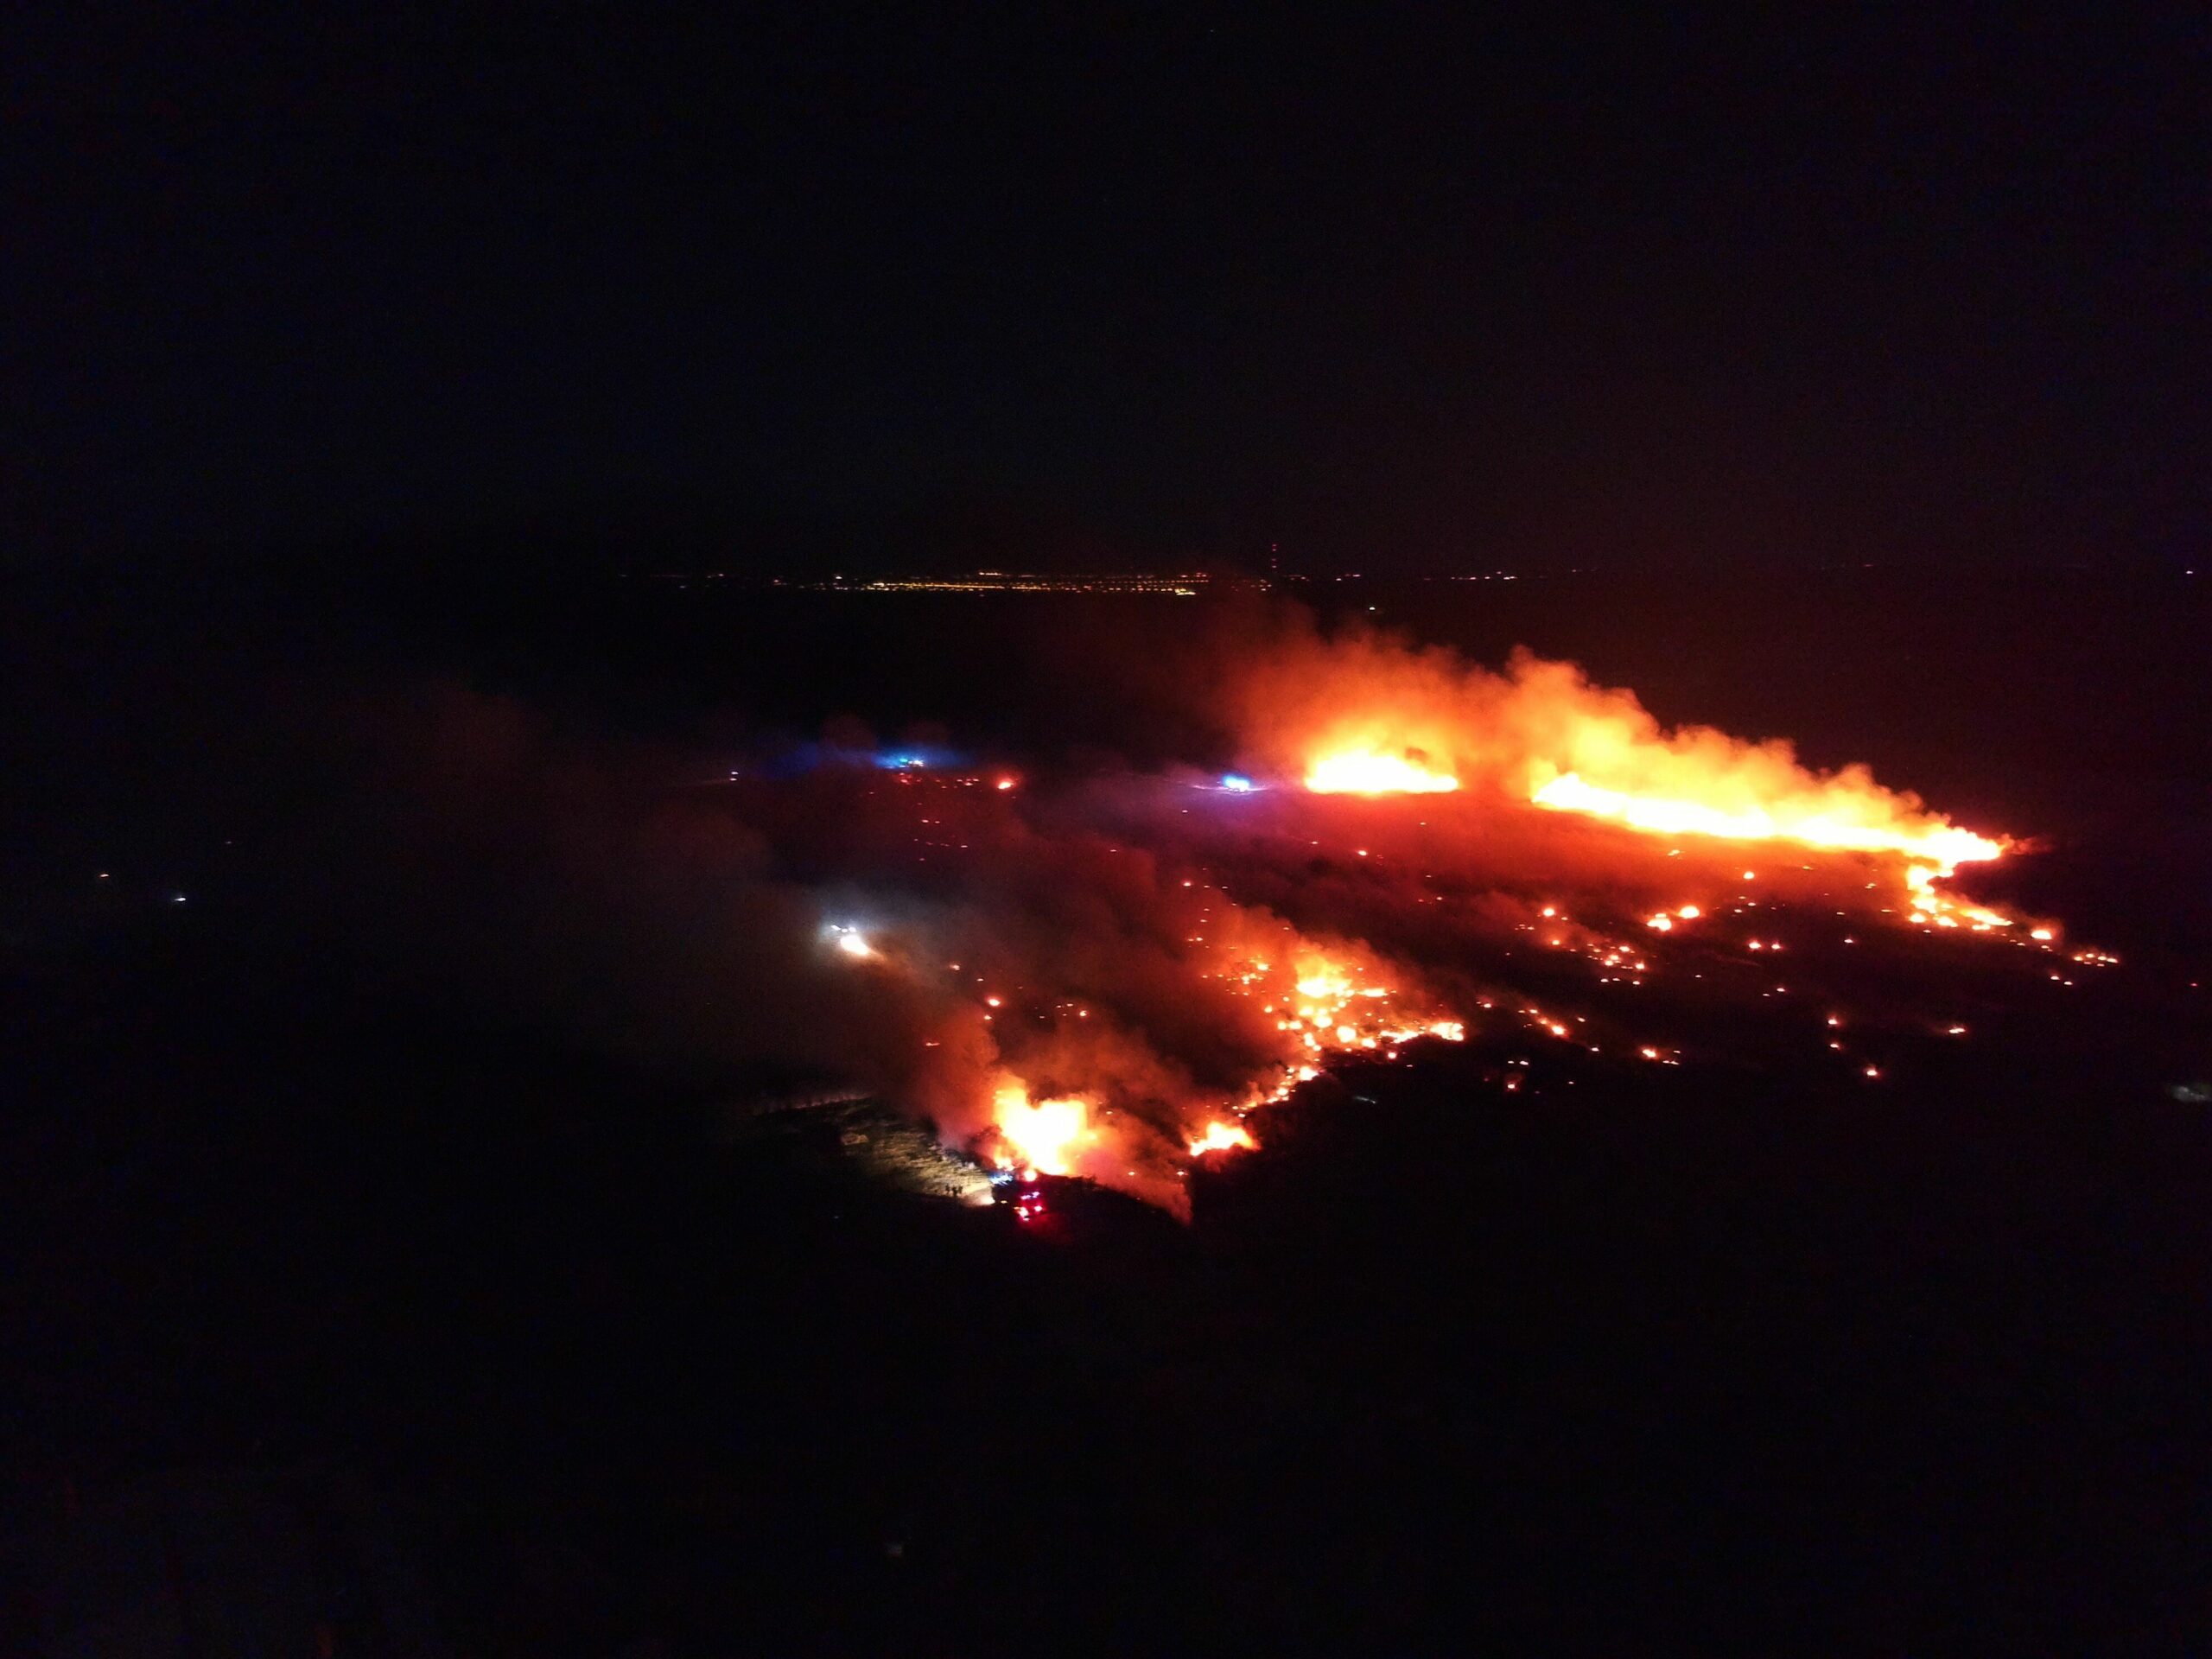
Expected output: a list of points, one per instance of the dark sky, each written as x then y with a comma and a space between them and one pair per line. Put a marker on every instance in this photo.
1399, 290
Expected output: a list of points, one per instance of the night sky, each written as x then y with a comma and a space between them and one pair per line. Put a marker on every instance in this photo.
1405, 292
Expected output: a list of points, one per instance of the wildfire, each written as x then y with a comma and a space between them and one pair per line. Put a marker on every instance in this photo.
1812, 823
1370, 715
1933, 906
1111, 1112
1370, 772
1222, 1137
1178, 901
1334, 1012
1044, 1136
1841, 818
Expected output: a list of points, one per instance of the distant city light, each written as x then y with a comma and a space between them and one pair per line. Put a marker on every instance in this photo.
1181, 585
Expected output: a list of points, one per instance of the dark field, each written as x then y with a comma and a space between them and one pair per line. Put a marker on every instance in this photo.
337, 1302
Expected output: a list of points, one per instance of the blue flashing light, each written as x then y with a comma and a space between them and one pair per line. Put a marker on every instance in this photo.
1237, 783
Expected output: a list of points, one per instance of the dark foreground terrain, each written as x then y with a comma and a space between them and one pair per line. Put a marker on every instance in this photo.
343, 1319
